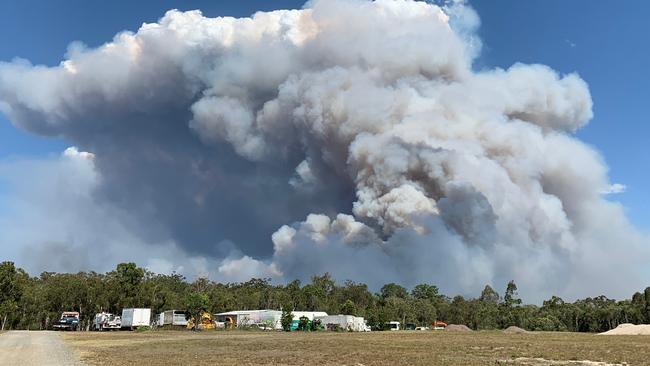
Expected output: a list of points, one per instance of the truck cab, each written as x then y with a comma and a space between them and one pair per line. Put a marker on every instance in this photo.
69, 321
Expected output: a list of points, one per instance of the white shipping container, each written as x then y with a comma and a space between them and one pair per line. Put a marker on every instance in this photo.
134, 317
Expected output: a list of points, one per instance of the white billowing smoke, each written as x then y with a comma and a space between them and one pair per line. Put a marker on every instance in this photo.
415, 167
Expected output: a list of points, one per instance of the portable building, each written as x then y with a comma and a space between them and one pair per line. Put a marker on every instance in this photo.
136, 317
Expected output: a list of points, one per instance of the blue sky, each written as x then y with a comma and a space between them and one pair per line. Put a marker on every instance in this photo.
605, 44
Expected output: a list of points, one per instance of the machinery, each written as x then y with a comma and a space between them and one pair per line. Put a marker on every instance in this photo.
205, 323
106, 321
438, 325
69, 321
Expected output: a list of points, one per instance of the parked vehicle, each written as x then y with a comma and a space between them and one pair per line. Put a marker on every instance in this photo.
134, 317
106, 321
393, 325
69, 321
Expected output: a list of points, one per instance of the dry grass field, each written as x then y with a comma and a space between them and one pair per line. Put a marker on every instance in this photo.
355, 349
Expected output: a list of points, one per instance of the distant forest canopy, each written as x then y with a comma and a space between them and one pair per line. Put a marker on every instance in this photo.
36, 302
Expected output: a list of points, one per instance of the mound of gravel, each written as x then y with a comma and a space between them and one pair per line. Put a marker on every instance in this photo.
629, 329
457, 328
515, 330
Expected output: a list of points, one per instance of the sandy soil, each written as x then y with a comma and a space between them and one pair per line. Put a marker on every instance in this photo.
457, 328
515, 330
25, 348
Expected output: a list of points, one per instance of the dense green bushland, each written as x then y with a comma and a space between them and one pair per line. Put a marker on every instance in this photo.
36, 302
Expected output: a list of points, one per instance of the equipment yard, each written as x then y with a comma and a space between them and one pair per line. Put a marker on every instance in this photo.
342, 348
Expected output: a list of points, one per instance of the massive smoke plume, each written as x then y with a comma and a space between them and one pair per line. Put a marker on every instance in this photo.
352, 137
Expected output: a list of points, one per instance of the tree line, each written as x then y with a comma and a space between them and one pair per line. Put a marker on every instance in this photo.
28, 302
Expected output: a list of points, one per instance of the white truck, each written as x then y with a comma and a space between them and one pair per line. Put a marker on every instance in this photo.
106, 321
135, 317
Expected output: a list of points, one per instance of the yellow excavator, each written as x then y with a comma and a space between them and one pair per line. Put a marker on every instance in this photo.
206, 322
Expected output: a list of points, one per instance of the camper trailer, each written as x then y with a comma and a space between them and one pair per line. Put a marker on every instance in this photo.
172, 318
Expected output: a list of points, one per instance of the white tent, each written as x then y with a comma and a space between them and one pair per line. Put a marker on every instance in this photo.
247, 318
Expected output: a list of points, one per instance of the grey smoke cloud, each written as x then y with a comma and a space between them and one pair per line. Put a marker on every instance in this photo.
51, 221
350, 136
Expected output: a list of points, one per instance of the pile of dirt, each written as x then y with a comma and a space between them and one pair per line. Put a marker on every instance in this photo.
515, 330
544, 362
629, 329
457, 328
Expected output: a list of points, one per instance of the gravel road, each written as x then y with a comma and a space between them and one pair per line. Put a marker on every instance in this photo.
35, 348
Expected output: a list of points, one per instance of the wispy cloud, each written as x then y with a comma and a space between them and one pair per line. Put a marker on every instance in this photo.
615, 188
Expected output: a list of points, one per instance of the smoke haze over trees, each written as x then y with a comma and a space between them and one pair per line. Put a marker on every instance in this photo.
348, 137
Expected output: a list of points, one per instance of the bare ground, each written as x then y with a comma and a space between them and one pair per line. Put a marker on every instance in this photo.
25, 348
376, 348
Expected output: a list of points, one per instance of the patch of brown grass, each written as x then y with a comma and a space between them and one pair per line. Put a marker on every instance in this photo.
327, 348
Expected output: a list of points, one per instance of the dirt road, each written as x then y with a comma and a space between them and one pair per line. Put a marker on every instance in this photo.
23, 348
